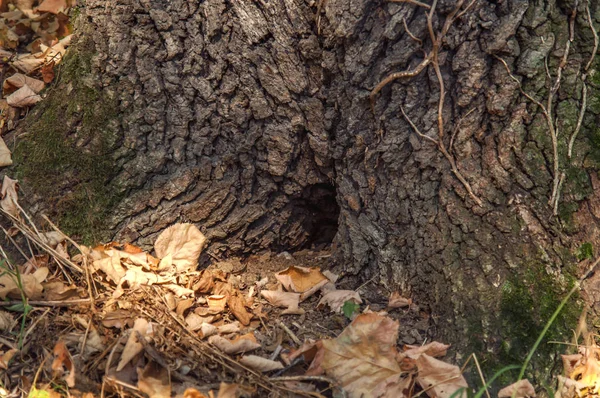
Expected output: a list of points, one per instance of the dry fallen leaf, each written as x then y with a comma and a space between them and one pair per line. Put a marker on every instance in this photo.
433, 349
9, 195
397, 301
5, 154
440, 379
31, 284
19, 80
133, 347
305, 281
48, 72
7, 321
237, 306
58, 291
154, 380
5, 357
23, 97
216, 303
520, 389
287, 300
260, 364
240, 344
363, 357
52, 6
184, 243
63, 362
336, 299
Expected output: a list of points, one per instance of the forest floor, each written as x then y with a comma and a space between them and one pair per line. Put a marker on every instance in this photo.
116, 321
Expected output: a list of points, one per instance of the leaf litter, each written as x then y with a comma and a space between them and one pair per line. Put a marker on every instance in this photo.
115, 320
34, 36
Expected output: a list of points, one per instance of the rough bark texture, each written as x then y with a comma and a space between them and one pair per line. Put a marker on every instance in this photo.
240, 117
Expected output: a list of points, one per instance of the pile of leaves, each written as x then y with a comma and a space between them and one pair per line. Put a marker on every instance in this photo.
34, 36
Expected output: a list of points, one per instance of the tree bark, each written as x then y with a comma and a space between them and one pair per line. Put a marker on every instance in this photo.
254, 120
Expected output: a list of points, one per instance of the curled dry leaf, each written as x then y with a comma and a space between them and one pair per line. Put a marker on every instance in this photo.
58, 291
5, 154
184, 243
440, 379
53, 238
63, 362
7, 321
520, 389
154, 380
19, 80
433, 349
216, 303
305, 281
184, 305
133, 347
287, 300
237, 306
118, 319
260, 364
5, 357
240, 344
9, 195
397, 301
570, 362
336, 299
31, 284
207, 330
23, 97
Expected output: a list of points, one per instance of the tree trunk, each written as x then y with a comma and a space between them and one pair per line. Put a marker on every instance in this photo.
254, 120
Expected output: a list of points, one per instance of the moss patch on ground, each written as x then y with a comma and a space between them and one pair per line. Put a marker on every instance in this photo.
528, 302
66, 154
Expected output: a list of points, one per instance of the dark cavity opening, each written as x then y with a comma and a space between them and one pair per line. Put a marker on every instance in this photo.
316, 211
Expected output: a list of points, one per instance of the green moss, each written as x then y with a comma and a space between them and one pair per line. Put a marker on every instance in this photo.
66, 155
585, 251
528, 302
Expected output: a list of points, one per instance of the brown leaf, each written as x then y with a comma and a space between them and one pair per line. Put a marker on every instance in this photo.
216, 304
154, 380
440, 379
193, 393
236, 304
31, 283
23, 97
362, 357
240, 344
520, 389
58, 291
570, 362
48, 72
433, 349
206, 282
397, 301
27, 63
133, 347
35, 262
52, 6
63, 362
184, 305
5, 154
287, 300
9, 195
305, 281
19, 80
184, 243
5, 357
259, 363
336, 299
7, 321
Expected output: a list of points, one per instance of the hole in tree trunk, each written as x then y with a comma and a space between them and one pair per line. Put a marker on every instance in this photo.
316, 212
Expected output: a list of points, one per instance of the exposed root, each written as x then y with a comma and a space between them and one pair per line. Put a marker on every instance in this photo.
431, 58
